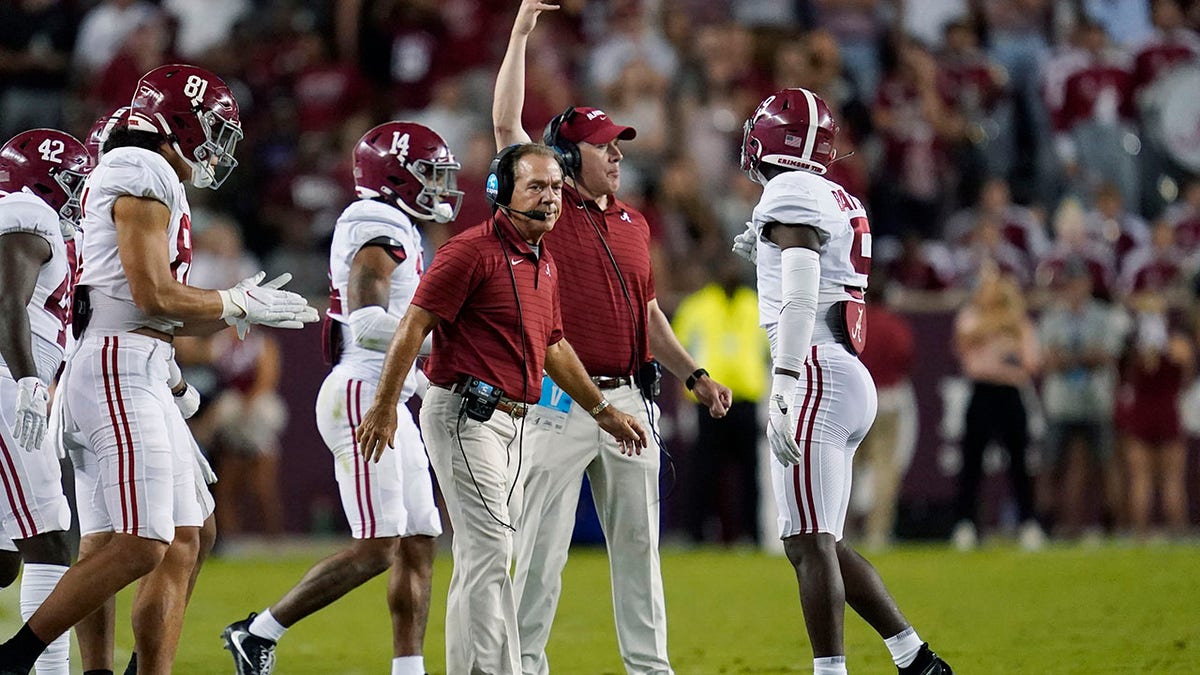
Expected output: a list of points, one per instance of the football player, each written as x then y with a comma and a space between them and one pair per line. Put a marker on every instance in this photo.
183, 126
404, 175
813, 245
41, 176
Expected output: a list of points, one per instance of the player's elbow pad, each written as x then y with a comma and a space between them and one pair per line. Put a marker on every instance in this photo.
801, 281
372, 328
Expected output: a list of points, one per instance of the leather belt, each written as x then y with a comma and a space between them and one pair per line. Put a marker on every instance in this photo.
603, 382
512, 408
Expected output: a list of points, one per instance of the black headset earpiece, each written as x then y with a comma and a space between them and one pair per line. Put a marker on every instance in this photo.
499, 185
567, 150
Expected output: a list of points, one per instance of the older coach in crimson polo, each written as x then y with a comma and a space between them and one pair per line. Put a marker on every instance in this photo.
491, 298
611, 316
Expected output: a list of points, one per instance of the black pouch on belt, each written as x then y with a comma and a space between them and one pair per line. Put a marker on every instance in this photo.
649, 379
848, 322
81, 311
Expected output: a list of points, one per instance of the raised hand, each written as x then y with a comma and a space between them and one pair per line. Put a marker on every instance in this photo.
528, 14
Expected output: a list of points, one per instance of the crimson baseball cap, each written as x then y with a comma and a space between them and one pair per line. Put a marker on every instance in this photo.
592, 125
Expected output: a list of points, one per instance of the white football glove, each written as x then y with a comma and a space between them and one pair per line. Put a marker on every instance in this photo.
267, 304
29, 423
781, 421
746, 244
188, 400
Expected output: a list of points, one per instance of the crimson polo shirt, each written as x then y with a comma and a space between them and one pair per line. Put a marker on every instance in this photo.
606, 332
469, 286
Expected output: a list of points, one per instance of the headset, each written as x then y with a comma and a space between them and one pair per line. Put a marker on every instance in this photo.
568, 150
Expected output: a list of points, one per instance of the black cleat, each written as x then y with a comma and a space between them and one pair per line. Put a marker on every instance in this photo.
927, 663
252, 655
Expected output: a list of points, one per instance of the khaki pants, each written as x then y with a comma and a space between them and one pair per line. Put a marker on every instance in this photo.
475, 463
626, 495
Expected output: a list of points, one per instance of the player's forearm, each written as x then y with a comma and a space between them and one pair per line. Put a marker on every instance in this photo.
16, 342
565, 368
798, 317
666, 346
509, 97
202, 327
401, 354
171, 299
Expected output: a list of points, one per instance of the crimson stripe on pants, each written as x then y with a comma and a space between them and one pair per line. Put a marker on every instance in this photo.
357, 460
812, 423
796, 469
112, 416
29, 531
366, 466
133, 505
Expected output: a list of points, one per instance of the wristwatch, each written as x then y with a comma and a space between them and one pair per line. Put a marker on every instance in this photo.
691, 381
599, 407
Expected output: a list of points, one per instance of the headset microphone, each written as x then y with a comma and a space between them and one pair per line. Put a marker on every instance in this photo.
531, 214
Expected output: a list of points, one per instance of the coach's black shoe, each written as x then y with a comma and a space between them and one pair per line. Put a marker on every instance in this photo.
131, 669
927, 663
252, 655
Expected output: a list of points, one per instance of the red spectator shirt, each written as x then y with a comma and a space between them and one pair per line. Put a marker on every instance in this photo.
889, 356
469, 286
607, 331
1161, 53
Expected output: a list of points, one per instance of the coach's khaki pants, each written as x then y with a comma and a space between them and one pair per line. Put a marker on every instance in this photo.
626, 494
474, 463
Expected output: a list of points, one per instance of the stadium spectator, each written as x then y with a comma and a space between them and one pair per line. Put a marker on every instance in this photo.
1089, 96
201, 27
718, 325
981, 95
1112, 223
916, 117
1073, 241
1019, 226
858, 28
996, 345
1126, 21
36, 37
1173, 43
103, 30
602, 245
1153, 373
1080, 345
1156, 267
1184, 218
146, 47
489, 348
887, 449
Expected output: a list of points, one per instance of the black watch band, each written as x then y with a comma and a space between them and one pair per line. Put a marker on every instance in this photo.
691, 381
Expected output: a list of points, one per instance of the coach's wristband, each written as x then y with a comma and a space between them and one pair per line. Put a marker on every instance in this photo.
691, 381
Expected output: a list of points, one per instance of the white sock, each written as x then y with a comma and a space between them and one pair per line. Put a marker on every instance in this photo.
829, 665
36, 583
904, 647
408, 665
265, 626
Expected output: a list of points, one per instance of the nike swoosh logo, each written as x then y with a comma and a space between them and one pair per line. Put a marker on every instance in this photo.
236, 637
515, 261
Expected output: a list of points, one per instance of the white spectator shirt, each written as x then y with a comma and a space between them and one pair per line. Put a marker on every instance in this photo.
138, 173
363, 222
49, 308
805, 198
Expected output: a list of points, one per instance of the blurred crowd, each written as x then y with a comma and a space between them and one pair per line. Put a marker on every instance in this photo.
1054, 144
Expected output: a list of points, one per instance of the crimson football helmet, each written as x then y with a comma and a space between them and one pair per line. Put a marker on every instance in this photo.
196, 112
792, 128
409, 166
102, 128
50, 164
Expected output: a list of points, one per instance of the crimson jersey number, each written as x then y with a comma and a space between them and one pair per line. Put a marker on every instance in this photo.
860, 251
58, 303
183, 245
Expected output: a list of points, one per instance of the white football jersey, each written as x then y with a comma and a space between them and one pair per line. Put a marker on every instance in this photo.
140, 173
49, 308
362, 222
805, 198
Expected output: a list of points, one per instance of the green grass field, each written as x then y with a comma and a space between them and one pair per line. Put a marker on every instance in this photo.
1110, 609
